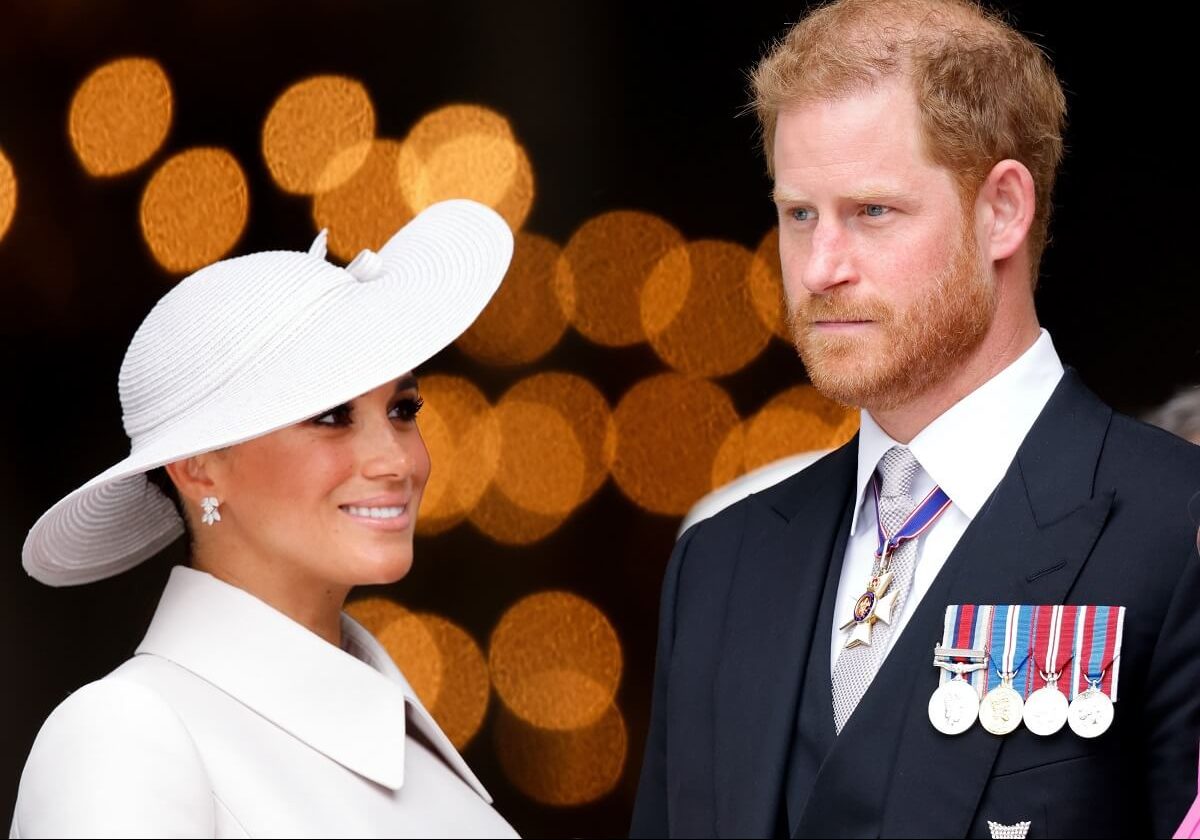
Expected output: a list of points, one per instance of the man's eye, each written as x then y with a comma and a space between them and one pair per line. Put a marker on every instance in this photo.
803, 214
875, 210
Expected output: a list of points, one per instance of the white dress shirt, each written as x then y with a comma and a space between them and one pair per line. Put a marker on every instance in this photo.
965, 451
232, 720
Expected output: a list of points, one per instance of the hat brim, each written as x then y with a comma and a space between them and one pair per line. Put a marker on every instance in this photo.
441, 271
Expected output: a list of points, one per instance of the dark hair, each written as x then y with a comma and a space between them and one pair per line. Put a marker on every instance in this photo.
159, 478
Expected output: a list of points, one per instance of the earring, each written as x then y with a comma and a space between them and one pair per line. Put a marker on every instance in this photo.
212, 510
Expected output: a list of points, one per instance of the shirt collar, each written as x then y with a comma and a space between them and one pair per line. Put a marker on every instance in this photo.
967, 450
350, 705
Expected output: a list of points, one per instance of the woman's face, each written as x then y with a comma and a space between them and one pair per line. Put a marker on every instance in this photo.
331, 501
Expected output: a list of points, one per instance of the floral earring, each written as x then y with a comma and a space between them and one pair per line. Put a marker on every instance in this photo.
212, 510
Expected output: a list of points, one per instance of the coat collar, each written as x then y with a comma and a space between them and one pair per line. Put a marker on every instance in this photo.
350, 705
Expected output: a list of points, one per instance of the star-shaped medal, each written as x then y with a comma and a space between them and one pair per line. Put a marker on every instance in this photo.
873, 605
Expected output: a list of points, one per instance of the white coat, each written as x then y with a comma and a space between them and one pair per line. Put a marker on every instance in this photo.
231, 720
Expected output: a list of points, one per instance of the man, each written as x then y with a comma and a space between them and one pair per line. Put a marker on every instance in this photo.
914, 146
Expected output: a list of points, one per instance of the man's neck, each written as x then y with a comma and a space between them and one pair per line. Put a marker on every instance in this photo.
998, 351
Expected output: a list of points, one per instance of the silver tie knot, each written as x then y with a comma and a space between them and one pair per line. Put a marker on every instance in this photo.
897, 469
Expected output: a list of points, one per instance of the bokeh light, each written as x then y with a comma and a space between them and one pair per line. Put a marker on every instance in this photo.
524, 320
504, 521
562, 768
765, 280
541, 461
465, 688
697, 312
558, 440
120, 115
194, 208
463, 436
797, 420
440, 660
407, 640
555, 661
8, 193
309, 125
368, 206
669, 428
590, 416
466, 151
606, 263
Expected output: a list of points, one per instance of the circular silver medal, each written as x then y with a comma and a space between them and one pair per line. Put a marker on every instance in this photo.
1000, 711
1045, 711
1090, 714
953, 707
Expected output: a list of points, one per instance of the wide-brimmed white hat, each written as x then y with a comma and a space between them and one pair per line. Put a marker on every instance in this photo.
252, 344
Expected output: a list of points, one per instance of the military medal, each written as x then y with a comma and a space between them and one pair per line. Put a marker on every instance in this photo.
1002, 707
876, 603
1090, 713
1097, 663
954, 705
873, 605
1046, 709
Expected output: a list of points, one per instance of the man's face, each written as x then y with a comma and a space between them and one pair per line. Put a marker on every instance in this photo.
886, 292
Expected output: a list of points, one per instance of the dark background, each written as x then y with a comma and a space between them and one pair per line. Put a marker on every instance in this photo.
617, 108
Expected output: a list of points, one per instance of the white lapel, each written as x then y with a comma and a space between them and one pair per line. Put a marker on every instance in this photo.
349, 706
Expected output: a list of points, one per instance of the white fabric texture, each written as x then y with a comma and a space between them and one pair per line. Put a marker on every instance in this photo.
252, 344
965, 451
231, 720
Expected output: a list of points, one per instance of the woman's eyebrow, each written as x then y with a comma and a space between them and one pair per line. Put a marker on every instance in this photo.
406, 383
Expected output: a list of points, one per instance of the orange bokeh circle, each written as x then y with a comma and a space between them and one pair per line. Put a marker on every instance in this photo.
309, 125
669, 430
120, 115
194, 209
555, 661
697, 311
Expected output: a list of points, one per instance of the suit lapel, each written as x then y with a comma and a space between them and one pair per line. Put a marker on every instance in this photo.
769, 624
1027, 546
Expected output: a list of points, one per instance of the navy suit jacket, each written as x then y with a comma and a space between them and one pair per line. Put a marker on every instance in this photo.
1093, 510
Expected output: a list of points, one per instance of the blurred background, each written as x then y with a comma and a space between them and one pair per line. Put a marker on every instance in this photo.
634, 360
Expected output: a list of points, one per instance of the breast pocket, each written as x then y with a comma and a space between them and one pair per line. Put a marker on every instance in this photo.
1073, 797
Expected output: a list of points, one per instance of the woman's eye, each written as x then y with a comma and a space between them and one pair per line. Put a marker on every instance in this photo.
339, 416
407, 409
875, 210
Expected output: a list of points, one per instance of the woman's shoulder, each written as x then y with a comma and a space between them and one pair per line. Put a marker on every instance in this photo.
114, 758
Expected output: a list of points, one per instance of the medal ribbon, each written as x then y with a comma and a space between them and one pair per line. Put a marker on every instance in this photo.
967, 626
917, 523
1098, 632
1053, 644
1011, 625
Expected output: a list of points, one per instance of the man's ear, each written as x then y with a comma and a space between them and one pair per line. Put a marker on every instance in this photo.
1008, 202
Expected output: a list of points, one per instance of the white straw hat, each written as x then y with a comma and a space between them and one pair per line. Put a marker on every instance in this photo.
252, 344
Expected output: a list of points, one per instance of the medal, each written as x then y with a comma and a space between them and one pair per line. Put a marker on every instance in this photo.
954, 705
1097, 662
1046, 709
1090, 713
1001, 710
873, 605
876, 603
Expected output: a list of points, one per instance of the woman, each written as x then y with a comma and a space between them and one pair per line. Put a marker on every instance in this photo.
276, 391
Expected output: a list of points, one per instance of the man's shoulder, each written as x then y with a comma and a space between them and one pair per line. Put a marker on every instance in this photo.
779, 501
1139, 456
